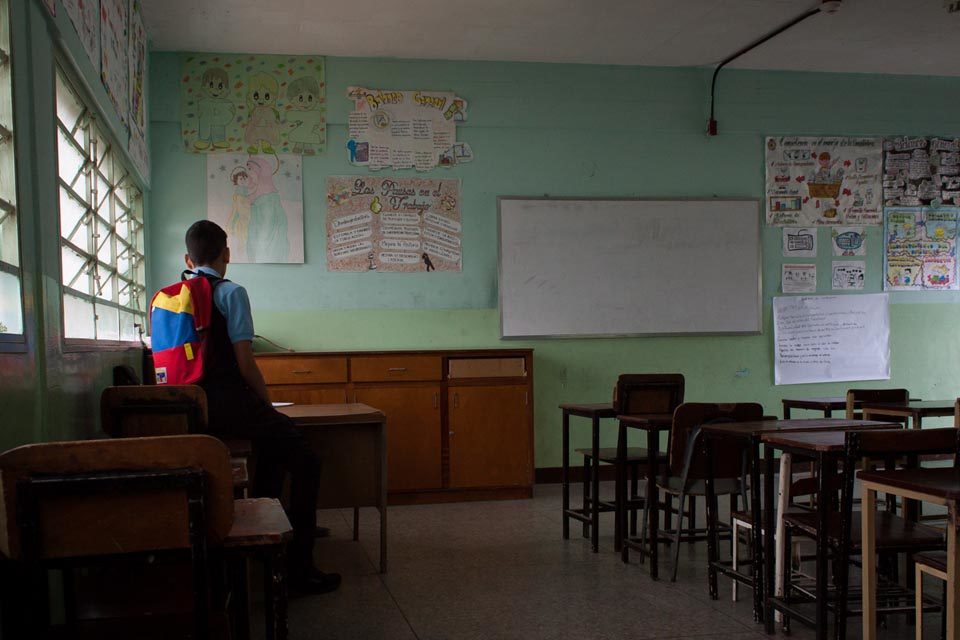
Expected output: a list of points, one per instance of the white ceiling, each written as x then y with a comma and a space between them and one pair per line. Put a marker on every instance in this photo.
868, 36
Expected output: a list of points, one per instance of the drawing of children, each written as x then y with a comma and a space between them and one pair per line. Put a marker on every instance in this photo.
238, 225
304, 117
267, 234
214, 111
263, 120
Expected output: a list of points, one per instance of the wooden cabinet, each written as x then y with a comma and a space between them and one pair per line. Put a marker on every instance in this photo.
459, 422
486, 448
414, 452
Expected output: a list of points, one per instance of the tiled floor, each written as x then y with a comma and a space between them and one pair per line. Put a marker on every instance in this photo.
492, 570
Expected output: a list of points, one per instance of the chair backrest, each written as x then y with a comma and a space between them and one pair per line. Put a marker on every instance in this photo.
153, 410
638, 393
873, 395
727, 458
123, 519
956, 414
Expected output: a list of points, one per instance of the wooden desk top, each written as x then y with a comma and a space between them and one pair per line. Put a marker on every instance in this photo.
332, 414
920, 407
648, 421
762, 427
258, 522
941, 482
596, 410
831, 402
817, 441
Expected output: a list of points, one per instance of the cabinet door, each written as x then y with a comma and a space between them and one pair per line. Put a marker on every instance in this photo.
413, 434
301, 395
489, 436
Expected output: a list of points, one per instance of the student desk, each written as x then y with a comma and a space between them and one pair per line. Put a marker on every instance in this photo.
915, 410
826, 405
751, 434
352, 442
938, 486
595, 412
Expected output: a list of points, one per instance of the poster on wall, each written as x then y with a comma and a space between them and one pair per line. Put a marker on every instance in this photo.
253, 104
823, 180
138, 68
800, 242
848, 274
848, 241
920, 249
921, 171
85, 16
831, 338
405, 129
258, 200
798, 278
139, 153
393, 224
114, 49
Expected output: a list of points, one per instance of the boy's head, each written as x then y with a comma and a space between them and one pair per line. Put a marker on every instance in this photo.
207, 246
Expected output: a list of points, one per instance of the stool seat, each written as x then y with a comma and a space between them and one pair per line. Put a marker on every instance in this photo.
933, 559
634, 455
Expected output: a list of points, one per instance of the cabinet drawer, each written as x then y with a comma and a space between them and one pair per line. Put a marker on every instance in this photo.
304, 370
388, 368
487, 367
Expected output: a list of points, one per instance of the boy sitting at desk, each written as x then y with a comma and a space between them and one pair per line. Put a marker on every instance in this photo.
239, 406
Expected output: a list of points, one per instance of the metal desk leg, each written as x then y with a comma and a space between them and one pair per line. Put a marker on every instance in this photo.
768, 537
783, 499
823, 573
653, 500
275, 593
713, 554
595, 488
868, 515
953, 566
757, 532
565, 474
383, 497
620, 523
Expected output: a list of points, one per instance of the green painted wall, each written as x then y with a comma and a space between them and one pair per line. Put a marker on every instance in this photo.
572, 130
47, 391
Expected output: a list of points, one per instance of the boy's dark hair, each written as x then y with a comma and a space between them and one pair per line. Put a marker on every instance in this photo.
205, 242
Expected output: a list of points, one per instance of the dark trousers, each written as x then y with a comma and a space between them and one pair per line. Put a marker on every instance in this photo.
235, 411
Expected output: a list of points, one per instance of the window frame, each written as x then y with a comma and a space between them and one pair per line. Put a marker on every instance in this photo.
116, 155
14, 342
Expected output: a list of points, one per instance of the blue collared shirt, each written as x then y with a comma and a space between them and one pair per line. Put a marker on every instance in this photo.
232, 301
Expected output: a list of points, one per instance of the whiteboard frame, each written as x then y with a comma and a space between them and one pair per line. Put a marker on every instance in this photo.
574, 336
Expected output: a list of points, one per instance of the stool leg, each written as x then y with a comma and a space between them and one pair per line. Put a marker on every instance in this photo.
356, 523
586, 495
918, 604
634, 492
692, 519
676, 539
734, 552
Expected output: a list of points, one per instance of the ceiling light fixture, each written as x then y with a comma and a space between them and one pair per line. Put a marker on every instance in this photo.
823, 6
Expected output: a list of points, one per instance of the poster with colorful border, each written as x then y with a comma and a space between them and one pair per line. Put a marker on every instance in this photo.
921, 171
408, 225
823, 180
114, 50
253, 104
85, 16
138, 68
920, 249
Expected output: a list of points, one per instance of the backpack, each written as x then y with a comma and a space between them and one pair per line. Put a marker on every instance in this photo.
180, 316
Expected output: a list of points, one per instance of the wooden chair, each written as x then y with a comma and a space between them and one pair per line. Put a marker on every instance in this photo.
932, 563
897, 534
687, 468
76, 503
872, 395
634, 394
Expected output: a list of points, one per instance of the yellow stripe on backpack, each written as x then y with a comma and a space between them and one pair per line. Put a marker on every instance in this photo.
180, 303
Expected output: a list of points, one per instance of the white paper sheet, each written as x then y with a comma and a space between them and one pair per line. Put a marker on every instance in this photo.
831, 338
798, 278
800, 242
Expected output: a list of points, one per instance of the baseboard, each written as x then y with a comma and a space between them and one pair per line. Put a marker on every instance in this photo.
460, 495
554, 475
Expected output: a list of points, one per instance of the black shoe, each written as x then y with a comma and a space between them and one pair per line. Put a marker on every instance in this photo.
313, 581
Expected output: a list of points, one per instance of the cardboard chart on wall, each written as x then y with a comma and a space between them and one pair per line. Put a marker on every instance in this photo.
920, 249
823, 180
114, 54
85, 16
921, 171
253, 104
393, 224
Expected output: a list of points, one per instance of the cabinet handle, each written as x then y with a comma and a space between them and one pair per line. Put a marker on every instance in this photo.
396, 369
436, 401
456, 400
301, 371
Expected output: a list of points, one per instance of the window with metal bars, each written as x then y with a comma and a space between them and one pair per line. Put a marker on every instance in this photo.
11, 301
101, 227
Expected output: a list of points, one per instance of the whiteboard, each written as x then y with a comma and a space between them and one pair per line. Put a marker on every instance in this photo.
572, 267
831, 338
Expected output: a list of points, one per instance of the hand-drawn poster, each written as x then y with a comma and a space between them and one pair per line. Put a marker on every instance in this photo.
831, 338
800, 242
85, 16
138, 68
827, 180
258, 200
920, 251
921, 171
848, 241
114, 49
798, 278
406, 129
393, 224
253, 103
137, 148
848, 274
